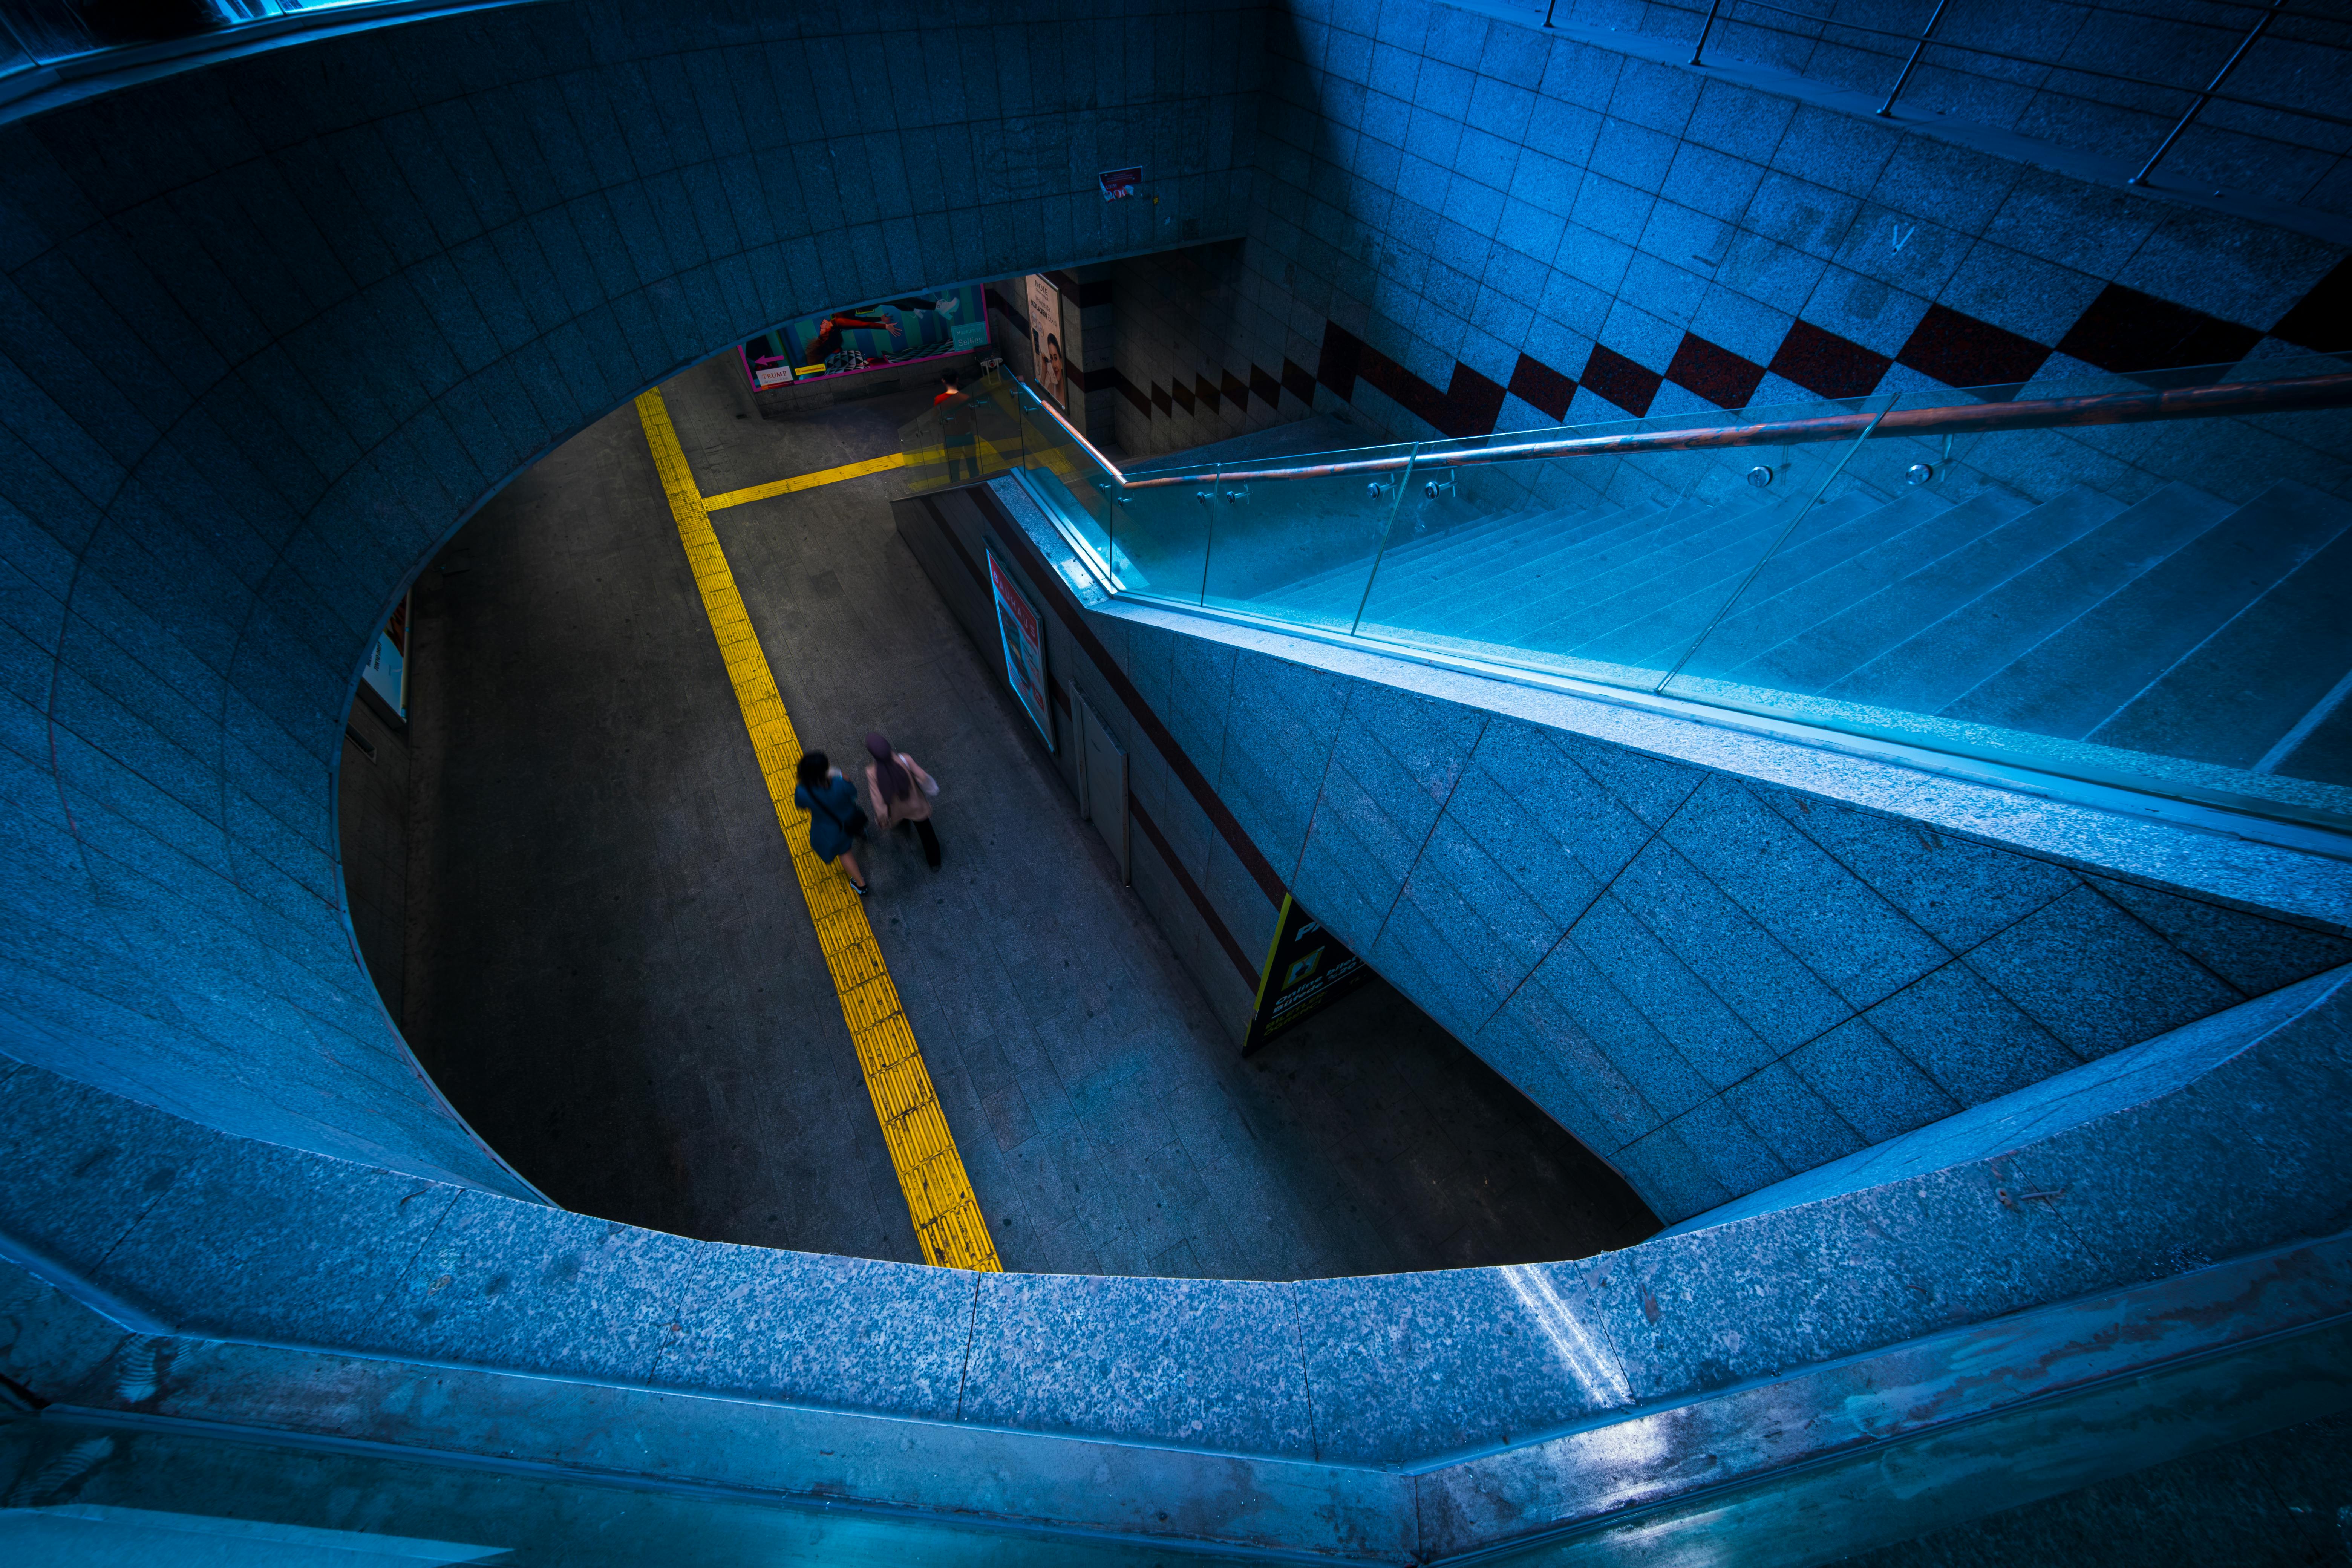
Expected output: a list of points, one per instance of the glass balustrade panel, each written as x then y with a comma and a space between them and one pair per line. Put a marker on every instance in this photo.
1063, 473
1299, 549
973, 436
1160, 535
2160, 604
1606, 563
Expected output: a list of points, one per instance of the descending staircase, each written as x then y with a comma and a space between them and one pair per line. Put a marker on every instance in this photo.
2177, 624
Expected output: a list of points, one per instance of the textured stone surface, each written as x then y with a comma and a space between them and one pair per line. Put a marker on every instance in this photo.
1719, 959
1422, 1364
1196, 1363
773, 1324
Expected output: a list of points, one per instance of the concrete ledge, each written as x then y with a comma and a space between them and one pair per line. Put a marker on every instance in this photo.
2220, 1141
2284, 1355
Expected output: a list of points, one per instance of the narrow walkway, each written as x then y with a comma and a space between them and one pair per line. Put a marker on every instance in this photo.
613, 974
947, 1220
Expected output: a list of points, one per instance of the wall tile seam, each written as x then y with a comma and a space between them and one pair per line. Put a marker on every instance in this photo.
1289, 1293
95, 886
1603, 890
2017, 174
2077, 878
1421, 853
1982, 978
277, 986
2133, 916
1701, 981
559, 206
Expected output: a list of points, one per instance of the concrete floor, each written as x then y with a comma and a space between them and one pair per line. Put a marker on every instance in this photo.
610, 972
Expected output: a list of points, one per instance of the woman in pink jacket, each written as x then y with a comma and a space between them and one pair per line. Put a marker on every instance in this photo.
901, 792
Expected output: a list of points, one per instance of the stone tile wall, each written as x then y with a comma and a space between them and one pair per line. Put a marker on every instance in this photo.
270, 329
1468, 224
2246, 149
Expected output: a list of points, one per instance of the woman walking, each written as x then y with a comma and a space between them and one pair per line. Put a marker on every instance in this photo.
901, 792
834, 820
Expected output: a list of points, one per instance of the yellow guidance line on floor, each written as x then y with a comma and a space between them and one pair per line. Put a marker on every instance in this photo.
806, 481
939, 1195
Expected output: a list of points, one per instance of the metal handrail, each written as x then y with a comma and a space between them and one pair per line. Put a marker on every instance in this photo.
2206, 97
1920, 40
1886, 110
2038, 414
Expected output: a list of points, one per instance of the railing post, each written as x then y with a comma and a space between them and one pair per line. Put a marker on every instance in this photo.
2260, 24
1403, 483
1547, 10
1886, 110
1704, 28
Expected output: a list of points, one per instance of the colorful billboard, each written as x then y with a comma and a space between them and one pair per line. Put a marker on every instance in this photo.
858, 337
1045, 327
1023, 636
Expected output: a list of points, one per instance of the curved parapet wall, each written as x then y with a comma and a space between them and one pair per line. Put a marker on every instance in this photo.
259, 362
274, 328
1404, 1418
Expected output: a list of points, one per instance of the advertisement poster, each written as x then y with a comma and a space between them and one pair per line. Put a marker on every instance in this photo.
1118, 185
1045, 327
888, 331
1306, 970
1024, 635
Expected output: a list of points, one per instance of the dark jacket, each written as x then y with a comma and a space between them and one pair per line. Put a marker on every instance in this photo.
831, 815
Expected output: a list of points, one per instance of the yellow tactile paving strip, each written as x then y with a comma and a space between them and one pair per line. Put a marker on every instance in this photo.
805, 481
939, 1195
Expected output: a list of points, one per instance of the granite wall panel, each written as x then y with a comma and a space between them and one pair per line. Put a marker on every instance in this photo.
1715, 983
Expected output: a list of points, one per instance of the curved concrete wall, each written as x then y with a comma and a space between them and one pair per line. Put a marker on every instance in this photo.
2174, 1202
271, 330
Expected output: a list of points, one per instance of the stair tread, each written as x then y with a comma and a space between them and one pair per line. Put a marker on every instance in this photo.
1981, 634
2244, 688
1769, 619
2073, 680
1815, 657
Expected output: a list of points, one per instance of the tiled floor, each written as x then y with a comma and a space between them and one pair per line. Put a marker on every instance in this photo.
613, 975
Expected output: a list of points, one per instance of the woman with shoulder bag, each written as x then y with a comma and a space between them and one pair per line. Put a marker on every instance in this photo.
836, 822
901, 790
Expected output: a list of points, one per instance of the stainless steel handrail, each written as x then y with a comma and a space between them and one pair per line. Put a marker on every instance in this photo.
1923, 39
2236, 397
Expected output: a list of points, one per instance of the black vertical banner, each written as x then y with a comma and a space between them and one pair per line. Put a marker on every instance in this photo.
1306, 970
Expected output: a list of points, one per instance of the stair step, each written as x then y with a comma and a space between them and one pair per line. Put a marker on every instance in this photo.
1429, 560
1466, 586
1718, 541
2076, 679
1818, 655
1889, 552
2322, 753
2244, 688
1981, 635
1835, 529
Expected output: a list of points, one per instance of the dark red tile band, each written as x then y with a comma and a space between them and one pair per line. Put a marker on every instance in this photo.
1192, 890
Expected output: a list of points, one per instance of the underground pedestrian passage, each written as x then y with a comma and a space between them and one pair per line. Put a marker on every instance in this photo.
627, 1000
1766, 594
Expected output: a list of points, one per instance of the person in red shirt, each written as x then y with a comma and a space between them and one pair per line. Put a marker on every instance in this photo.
956, 426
